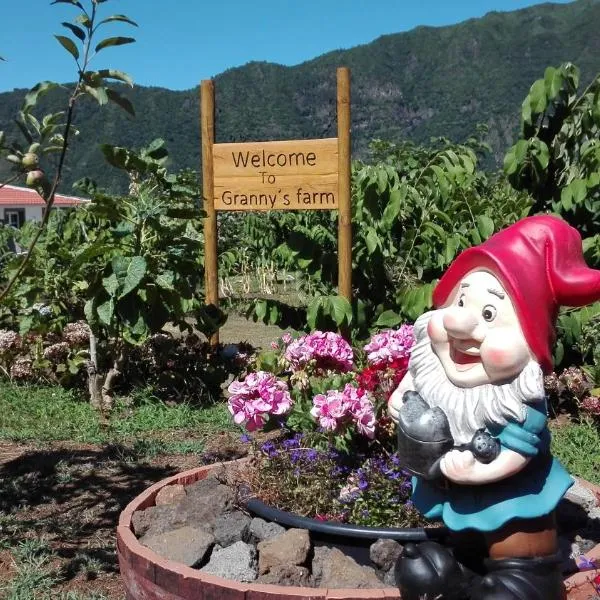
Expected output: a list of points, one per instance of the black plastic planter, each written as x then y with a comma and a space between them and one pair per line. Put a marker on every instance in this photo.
353, 540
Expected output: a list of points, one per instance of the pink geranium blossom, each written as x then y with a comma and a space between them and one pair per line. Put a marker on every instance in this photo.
259, 395
336, 408
390, 345
329, 351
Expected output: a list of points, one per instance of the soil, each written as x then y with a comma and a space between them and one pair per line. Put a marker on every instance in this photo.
71, 495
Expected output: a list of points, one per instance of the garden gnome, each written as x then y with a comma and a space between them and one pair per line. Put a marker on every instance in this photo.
471, 412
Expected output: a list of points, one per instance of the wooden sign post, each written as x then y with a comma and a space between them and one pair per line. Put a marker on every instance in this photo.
280, 175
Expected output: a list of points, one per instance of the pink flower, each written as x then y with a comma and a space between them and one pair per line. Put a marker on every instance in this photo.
329, 409
259, 395
390, 345
336, 409
329, 350
286, 338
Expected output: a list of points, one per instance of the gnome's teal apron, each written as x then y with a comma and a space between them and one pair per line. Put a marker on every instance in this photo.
532, 492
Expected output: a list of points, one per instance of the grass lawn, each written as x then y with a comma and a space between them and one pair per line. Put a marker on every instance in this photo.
65, 475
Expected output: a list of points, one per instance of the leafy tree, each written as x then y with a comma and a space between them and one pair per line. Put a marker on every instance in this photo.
126, 265
557, 158
50, 134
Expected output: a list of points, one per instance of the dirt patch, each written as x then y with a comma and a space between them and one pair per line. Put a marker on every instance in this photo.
239, 329
70, 496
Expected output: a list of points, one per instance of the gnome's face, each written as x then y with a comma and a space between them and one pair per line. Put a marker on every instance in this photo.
477, 336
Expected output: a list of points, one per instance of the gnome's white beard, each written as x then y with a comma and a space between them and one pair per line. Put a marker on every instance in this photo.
470, 409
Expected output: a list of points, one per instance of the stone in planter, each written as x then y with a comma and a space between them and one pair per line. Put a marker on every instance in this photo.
260, 530
171, 494
287, 575
333, 569
385, 553
204, 501
231, 528
236, 562
186, 545
289, 548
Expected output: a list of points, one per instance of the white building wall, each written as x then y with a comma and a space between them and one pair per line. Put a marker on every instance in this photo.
33, 213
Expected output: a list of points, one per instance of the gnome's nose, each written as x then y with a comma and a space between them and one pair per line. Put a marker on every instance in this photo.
461, 323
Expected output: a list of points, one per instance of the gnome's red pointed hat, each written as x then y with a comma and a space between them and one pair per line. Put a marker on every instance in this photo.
539, 260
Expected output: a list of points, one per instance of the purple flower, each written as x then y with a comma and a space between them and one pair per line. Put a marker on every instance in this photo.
269, 448
312, 455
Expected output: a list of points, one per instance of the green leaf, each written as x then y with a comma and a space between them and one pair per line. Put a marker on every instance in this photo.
25, 324
69, 45
106, 311
313, 312
129, 272
88, 311
156, 149
392, 209
382, 181
89, 253
566, 198
84, 20
540, 153
121, 101
114, 41
388, 318
99, 93
553, 81
117, 75
111, 284
260, 309
77, 31
372, 240
341, 310
485, 225
35, 92
165, 280
537, 97
121, 18
450, 250
578, 189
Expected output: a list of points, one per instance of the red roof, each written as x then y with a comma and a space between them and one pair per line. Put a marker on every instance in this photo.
11, 195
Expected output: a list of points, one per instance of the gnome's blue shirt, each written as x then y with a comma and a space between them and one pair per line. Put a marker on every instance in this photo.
532, 492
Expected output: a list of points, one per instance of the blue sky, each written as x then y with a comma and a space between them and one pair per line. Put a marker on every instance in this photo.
181, 42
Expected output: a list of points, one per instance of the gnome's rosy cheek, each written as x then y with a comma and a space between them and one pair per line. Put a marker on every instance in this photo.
504, 353
435, 328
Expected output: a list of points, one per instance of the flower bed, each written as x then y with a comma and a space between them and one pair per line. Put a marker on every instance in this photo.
329, 403
148, 576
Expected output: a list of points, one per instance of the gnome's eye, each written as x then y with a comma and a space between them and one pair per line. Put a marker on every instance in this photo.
489, 312
461, 300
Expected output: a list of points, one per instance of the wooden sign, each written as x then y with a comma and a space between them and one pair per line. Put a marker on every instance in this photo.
287, 175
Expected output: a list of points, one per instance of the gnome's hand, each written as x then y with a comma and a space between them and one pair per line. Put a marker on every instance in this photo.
462, 467
459, 466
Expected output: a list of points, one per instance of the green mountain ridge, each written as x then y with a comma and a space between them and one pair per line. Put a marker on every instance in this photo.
430, 81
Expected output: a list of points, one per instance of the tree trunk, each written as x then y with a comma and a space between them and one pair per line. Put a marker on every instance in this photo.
100, 385
109, 381
95, 380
